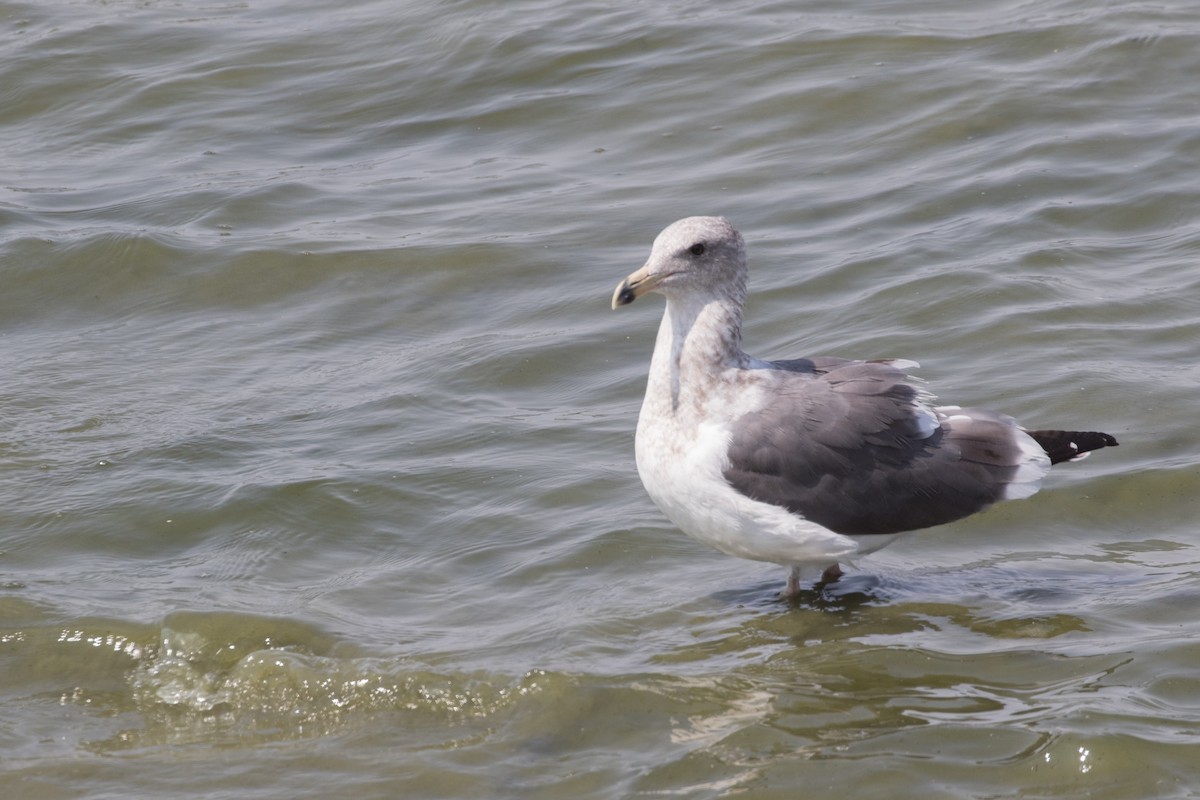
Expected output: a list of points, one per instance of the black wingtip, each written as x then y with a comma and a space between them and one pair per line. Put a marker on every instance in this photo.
1068, 445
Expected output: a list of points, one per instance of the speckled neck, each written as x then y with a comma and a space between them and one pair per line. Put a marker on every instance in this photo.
699, 338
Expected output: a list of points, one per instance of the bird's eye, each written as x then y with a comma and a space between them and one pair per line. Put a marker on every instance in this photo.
697, 249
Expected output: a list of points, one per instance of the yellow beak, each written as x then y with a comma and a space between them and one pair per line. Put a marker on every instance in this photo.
633, 287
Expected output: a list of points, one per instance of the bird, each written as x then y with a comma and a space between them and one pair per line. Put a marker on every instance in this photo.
805, 462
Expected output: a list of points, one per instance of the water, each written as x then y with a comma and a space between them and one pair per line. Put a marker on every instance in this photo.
316, 426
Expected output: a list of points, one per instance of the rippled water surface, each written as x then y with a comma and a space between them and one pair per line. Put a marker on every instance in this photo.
316, 429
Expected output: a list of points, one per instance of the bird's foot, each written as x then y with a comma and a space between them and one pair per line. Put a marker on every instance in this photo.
791, 593
831, 574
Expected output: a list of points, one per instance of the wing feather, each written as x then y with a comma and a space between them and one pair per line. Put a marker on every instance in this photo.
853, 446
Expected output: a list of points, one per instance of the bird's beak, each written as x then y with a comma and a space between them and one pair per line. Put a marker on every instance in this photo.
636, 285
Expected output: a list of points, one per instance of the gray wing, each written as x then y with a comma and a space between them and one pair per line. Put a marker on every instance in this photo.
848, 445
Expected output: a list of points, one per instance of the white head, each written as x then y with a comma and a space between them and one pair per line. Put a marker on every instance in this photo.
695, 256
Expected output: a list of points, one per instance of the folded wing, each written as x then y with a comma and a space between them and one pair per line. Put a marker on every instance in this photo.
854, 447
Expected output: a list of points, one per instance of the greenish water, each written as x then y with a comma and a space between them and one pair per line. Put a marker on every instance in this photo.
316, 430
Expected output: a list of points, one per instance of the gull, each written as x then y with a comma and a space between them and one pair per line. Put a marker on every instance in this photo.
805, 462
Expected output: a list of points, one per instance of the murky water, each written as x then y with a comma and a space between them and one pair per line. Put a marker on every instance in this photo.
316, 432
